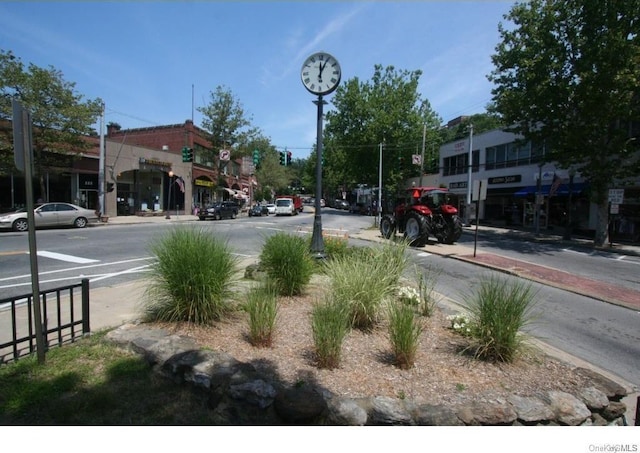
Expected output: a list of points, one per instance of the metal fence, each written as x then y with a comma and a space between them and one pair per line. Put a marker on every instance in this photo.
65, 318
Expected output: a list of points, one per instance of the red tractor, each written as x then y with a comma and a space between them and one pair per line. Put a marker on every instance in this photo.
425, 211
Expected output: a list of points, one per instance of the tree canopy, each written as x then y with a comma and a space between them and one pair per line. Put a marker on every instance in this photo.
225, 119
387, 109
61, 118
567, 73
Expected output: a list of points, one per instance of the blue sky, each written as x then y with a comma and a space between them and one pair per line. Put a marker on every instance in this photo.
152, 62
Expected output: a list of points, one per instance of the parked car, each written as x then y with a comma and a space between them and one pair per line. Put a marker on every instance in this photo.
342, 204
258, 210
49, 215
222, 210
271, 208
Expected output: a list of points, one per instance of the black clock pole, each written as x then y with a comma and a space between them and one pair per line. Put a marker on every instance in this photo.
317, 244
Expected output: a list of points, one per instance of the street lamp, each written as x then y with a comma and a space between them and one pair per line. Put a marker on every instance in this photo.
168, 216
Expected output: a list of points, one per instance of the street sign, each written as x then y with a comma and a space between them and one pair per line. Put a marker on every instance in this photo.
225, 154
616, 196
615, 209
479, 189
416, 159
21, 134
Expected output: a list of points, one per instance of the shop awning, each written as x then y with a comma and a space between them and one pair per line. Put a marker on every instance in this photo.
230, 191
563, 189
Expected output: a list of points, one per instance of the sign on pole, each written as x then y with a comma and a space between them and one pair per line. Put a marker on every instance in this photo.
18, 135
225, 154
416, 159
479, 190
22, 146
616, 196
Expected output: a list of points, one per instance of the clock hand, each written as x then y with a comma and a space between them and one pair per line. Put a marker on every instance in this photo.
322, 66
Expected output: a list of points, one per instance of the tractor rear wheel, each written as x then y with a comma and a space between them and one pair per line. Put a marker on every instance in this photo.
416, 231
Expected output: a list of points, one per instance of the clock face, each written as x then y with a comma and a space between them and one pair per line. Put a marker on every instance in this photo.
321, 73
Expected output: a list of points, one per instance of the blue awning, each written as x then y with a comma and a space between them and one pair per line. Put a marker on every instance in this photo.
563, 189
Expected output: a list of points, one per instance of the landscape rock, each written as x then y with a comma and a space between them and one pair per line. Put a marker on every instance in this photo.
388, 411
614, 410
568, 409
299, 406
256, 392
530, 409
488, 413
239, 394
433, 415
613, 390
593, 398
345, 412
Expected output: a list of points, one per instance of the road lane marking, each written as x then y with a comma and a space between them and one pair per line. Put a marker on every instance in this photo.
57, 271
67, 258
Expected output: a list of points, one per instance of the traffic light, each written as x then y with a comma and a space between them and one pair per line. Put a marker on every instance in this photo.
288, 157
256, 158
187, 154
109, 187
283, 160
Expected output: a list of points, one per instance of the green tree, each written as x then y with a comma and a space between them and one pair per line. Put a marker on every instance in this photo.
388, 109
226, 121
60, 117
271, 176
568, 74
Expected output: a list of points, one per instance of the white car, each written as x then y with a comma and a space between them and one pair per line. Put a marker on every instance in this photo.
271, 208
49, 215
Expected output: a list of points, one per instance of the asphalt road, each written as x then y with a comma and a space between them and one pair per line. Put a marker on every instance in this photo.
600, 333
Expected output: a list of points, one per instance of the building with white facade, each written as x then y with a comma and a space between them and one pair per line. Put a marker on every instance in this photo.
517, 176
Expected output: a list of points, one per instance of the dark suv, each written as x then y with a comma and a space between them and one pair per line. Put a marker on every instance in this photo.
217, 211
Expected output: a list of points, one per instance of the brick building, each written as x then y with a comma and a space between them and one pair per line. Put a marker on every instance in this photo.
138, 183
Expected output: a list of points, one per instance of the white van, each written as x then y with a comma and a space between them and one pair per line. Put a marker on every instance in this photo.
284, 206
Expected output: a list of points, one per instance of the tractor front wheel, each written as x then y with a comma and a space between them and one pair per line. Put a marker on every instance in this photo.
387, 227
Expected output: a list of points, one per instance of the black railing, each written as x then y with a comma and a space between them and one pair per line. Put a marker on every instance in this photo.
63, 320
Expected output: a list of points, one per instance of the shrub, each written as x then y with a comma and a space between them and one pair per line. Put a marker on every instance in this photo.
330, 324
404, 333
288, 263
262, 307
335, 247
499, 310
365, 281
192, 278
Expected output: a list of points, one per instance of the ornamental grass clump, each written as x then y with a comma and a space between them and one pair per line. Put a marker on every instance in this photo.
364, 281
287, 262
330, 325
404, 333
428, 298
262, 307
498, 312
192, 278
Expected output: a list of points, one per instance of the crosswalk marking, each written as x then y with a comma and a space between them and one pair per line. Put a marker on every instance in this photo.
67, 258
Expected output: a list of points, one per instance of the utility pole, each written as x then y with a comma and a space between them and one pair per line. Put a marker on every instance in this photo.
424, 138
101, 182
470, 164
379, 216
